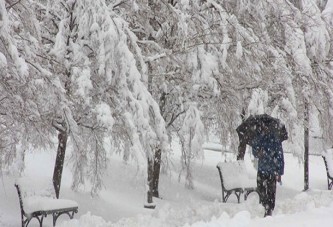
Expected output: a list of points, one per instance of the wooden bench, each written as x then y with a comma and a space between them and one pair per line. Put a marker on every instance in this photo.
235, 179
328, 160
37, 200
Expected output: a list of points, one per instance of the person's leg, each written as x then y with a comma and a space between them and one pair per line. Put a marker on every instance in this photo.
266, 186
271, 192
261, 188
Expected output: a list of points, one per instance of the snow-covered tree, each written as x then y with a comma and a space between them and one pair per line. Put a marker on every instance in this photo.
291, 55
25, 107
191, 136
177, 70
133, 72
105, 86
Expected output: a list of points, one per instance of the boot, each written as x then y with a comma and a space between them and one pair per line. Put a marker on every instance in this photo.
268, 213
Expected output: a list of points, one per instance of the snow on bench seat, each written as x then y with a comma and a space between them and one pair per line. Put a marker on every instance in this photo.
235, 178
37, 203
328, 160
37, 200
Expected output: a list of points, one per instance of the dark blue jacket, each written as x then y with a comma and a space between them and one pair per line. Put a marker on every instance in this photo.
268, 149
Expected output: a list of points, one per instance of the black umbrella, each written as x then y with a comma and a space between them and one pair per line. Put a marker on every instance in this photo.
248, 130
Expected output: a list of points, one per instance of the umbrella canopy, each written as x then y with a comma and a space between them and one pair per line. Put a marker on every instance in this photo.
248, 130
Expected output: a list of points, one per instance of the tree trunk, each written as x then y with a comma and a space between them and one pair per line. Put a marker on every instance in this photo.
242, 144
156, 172
306, 147
241, 150
154, 166
150, 171
59, 163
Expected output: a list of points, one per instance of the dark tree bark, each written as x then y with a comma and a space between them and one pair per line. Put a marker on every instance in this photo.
242, 144
150, 171
241, 150
154, 169
59, 163
306, 147
150, 162
156, 173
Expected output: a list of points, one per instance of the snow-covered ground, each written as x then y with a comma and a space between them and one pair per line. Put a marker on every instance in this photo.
121, 201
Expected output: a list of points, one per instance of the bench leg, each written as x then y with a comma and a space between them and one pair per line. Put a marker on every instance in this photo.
247, 193
225, 198
225, 195
22, 220
238, 194
26, 222
55, 217
41, 221
57, 214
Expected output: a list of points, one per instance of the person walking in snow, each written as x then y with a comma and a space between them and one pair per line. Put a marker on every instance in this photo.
267, 147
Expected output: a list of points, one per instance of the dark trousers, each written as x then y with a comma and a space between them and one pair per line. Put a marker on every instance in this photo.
266, 186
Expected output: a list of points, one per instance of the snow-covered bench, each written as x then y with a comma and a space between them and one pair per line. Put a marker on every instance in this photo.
328, 160
235, 179
37, 200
